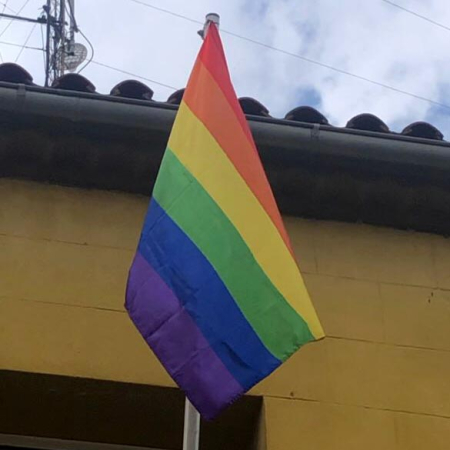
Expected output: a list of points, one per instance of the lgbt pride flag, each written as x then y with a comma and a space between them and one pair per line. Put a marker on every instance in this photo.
214, 288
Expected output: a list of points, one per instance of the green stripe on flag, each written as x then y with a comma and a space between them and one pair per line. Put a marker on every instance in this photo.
279, 327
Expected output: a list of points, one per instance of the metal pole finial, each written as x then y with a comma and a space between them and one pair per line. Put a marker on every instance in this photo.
210, 18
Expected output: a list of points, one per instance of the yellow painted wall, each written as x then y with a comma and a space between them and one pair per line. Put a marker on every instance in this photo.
380, 380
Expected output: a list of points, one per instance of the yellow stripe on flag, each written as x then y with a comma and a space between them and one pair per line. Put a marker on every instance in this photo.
200, 153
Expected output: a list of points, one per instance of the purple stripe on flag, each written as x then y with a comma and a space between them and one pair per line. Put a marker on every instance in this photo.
177, 341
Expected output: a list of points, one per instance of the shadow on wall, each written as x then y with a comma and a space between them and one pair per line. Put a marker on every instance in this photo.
115, 413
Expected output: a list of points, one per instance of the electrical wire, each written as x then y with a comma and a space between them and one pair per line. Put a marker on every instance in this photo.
12, 20
5, 6
302, 58
166, 11
18, 45
43, 45
26, 42
3, 10
409, 11
89, 61
134, 75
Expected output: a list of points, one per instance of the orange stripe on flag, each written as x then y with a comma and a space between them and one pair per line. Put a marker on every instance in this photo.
223, 117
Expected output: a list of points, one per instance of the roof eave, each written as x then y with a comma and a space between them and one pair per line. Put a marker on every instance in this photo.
95, 141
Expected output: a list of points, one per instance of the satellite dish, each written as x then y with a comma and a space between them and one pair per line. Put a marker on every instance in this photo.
75, 54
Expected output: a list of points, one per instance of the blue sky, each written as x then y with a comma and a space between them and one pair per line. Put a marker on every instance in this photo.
369, 38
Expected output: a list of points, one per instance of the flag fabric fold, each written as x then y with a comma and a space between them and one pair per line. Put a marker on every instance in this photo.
214, 288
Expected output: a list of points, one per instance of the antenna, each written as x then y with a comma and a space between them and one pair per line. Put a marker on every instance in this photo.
62, 52
75, 53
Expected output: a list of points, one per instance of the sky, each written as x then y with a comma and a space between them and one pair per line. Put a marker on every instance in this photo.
369, 38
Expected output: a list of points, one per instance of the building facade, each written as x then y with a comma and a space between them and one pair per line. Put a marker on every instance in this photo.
74, 368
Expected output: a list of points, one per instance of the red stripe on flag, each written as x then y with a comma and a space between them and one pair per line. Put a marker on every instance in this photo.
212, 103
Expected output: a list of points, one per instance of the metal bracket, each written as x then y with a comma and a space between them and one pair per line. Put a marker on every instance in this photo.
315, 132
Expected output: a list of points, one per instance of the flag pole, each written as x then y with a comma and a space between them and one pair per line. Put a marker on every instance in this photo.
191, 432
211, 17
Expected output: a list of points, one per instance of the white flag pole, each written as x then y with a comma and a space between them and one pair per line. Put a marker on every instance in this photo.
191, 432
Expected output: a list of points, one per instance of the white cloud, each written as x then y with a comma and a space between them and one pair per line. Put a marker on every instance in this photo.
371, 39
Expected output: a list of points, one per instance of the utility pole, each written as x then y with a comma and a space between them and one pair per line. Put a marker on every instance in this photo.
56, 16
62, 52
47, 44
73, 23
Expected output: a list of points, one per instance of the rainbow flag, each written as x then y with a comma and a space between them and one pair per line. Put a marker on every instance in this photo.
214, 288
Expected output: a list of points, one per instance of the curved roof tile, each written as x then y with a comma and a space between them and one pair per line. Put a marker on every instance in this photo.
253, 107
132, 89
176, 97
13, 73
367, 122
423, 130
306, 114
74, 82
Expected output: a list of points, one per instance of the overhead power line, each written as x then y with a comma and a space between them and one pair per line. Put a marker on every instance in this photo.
92, 51
43, 44
301, 57
16, 14
11, 21
133, 75
420, 16
12, 44
166, 11
26, 42
5, 6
